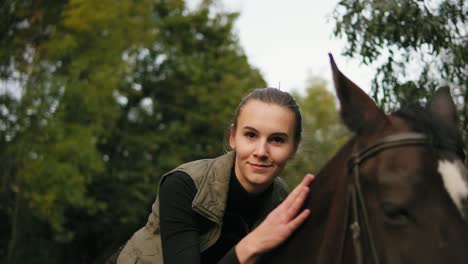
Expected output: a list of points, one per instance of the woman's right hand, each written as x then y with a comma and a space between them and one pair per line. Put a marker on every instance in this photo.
277, 226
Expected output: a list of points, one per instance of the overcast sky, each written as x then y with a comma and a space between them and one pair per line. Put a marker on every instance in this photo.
288, 40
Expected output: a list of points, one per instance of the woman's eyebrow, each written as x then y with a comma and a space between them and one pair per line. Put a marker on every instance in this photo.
249, 128
282, 134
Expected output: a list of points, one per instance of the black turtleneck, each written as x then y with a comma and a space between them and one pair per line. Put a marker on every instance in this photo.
181, 226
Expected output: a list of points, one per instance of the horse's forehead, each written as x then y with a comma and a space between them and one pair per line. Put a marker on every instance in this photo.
455, 178
397, 124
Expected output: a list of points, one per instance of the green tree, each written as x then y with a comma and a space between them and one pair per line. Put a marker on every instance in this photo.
417, 45
61, 62
323, 132
176, 106
100, 98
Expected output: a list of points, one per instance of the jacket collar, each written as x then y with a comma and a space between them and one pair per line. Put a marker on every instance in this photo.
211, 197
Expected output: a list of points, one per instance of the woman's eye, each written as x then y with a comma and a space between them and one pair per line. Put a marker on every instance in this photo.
250, 134
278, 140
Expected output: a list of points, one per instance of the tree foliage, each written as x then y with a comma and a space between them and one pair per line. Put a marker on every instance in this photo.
97, 100
67, 64
418, 46
177, 105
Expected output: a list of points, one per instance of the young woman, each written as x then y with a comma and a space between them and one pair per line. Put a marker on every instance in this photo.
234, 208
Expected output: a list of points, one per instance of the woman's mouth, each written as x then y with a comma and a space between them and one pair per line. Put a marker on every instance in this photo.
260, 165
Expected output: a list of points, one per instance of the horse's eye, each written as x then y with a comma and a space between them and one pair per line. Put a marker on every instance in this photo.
396, 216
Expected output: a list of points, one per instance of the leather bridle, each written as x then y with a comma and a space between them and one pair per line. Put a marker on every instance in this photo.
356, 210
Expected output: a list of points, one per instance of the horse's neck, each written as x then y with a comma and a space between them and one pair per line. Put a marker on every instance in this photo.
328, 199
316, 241
331, 178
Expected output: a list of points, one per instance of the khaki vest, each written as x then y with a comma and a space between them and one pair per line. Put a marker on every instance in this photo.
211, 178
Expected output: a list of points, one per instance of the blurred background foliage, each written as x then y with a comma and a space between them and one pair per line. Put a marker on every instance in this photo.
99, 98
416, 46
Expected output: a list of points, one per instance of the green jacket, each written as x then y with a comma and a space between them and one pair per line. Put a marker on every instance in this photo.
211, 178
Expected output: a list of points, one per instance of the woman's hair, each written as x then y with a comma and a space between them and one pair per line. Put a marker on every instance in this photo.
277, 97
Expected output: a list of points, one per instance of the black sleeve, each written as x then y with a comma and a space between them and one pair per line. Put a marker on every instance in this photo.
179, 228
230, 257
180, 225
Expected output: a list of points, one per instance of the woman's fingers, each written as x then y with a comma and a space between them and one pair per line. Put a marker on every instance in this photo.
296, 222
295, 199
279, 224
307, 180
298, 202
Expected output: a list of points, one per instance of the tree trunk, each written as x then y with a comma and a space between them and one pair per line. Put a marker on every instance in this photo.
14, 229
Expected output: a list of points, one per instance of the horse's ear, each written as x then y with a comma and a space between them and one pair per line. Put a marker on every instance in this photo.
442, 106
358, 110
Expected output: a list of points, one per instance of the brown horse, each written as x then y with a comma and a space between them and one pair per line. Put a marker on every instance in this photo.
397, 192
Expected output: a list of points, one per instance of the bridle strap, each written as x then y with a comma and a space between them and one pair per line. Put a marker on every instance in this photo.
392, 141
355, 227
359, 217
361, 222
344, 230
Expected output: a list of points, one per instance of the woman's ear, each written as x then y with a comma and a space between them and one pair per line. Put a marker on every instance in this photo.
296, 147
232, 136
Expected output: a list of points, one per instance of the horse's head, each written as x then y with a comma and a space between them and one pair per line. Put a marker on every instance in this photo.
397, 192
408, 168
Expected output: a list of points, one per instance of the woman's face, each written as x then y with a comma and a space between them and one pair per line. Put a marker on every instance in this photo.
263, 141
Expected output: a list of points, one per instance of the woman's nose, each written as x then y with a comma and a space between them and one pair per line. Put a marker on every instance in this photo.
261, 149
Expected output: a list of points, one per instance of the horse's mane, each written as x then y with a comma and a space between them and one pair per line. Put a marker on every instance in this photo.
442, 135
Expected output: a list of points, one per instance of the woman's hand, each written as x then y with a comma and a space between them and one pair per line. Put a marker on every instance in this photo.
277, 226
